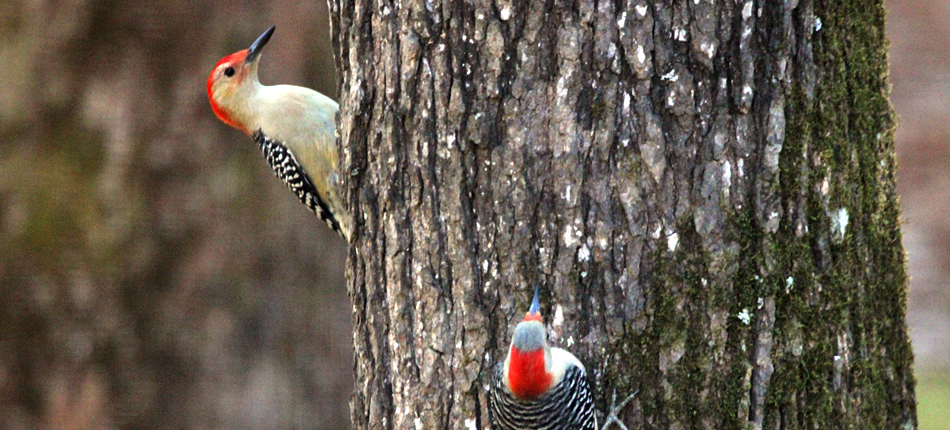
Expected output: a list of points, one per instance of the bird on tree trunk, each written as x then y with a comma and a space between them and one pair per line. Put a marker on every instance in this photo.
294, 127
540, 387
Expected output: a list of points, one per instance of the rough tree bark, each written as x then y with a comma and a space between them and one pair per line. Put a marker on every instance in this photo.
704, 190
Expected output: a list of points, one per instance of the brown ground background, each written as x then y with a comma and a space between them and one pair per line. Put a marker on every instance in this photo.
154, 274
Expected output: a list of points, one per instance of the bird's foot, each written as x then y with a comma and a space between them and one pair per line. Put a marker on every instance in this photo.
615, 409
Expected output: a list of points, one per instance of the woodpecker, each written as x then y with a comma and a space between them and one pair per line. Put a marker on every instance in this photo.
293, 126
539, 387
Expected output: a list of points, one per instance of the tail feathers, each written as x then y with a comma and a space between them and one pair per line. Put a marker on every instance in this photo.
288, 169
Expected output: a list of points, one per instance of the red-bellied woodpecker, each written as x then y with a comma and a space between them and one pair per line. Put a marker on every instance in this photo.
294, 127
540, 387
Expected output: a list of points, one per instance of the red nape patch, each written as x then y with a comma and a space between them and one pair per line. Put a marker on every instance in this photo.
235, 59
527, 376
533, 317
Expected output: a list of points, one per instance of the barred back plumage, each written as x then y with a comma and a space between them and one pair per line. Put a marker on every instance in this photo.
567, 406
285, 165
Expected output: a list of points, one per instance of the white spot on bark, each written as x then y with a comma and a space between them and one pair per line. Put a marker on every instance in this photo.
558, 316
641, 10
745, 316
622, 20
788, 284
772, 223
839, 224
568, 236
707, 48
505, 13
726, 177
817, 24
671, 76
672, 240
747, 10
641, 56
583, 254
680, 34
561, 90
470, 424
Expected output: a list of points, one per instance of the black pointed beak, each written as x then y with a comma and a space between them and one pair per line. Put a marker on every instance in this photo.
255, 50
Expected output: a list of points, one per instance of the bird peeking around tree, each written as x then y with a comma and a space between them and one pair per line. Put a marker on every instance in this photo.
294, 127
540, 387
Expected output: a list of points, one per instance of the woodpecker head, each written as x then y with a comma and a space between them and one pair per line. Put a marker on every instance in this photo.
233, 82
528, 368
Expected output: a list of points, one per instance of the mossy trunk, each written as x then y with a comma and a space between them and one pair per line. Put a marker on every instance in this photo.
704, 191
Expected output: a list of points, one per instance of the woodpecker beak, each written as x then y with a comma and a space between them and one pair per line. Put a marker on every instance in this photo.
535, 311
255, 50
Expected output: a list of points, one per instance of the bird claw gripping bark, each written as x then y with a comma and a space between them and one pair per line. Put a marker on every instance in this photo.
612, 416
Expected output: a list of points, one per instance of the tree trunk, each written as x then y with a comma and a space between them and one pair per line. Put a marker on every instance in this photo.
704, 191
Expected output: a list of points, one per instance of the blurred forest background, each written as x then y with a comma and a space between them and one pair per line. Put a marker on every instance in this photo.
154, 273
919, 32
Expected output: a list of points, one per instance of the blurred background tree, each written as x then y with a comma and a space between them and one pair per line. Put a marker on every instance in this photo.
154, 274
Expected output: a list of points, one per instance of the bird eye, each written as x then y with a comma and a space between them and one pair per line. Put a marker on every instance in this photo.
229, 72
